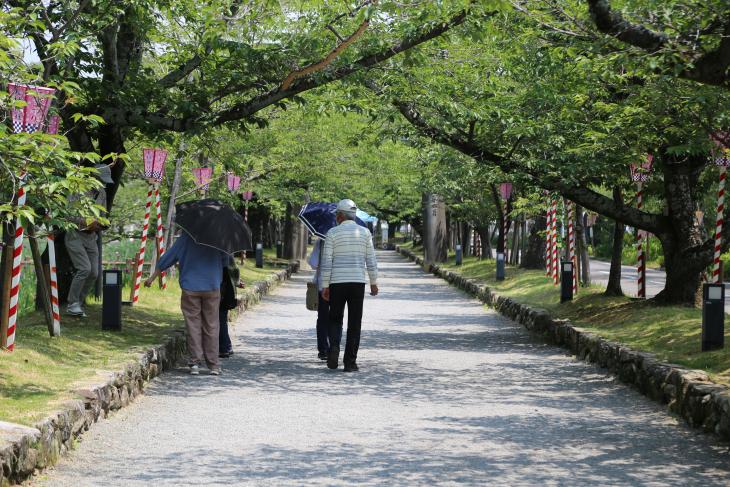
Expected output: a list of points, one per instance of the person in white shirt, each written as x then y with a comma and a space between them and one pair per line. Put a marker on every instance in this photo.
347, 262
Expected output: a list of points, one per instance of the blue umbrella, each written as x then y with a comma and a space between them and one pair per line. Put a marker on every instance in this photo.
320, 218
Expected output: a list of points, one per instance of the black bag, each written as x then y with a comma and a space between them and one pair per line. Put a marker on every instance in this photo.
228, 287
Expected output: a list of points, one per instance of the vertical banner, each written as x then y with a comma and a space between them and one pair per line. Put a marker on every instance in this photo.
154, 169
505, 191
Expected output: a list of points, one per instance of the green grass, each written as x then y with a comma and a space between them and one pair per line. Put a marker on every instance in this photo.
670, 332
42, 372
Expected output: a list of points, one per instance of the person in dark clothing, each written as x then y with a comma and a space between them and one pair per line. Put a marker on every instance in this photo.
323, 307
231, 280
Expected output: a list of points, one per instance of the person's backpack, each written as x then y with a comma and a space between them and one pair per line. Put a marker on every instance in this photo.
228, 286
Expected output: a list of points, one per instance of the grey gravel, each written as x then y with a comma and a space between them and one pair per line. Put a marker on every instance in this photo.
448, 393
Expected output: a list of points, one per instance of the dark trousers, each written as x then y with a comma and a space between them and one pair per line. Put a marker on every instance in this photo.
224, 340
323, 329
351, 294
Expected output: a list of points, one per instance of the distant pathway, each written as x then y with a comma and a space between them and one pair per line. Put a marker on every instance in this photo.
449, 393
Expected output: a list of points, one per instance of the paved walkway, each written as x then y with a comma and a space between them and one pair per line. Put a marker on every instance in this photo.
448, 393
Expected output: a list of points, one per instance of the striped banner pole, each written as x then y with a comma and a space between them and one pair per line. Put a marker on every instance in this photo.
15, 279
554, 244
160, 235
549, 241
142, 246
640, 258
571, 244
719, 222
55, 308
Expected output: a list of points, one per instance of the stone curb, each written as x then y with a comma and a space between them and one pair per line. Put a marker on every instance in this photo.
25, 450
688, 393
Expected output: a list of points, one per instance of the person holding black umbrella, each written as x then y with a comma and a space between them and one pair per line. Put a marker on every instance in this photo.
212, 232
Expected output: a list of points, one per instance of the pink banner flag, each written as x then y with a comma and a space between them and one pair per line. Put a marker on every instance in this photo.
505, 189
154, 163
203, 176
17, 92
247, 195
233, 182
39, 101
32, 116
53, 124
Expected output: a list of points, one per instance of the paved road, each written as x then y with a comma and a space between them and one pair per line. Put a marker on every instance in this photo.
654, 278
448, 393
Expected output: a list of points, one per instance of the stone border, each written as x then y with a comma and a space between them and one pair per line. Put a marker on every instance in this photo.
25, 450
688, 393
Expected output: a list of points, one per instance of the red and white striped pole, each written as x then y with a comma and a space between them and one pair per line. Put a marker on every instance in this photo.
55, 311
549, 242
640, 258
554, 244
571, 244
15, 279
160, 234
142, 247
723, 163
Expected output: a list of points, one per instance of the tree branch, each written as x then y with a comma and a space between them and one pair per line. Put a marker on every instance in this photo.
708, 68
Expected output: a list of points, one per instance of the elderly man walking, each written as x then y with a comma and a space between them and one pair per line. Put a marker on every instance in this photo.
348, 260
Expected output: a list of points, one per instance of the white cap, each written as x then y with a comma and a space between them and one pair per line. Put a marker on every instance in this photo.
347, 206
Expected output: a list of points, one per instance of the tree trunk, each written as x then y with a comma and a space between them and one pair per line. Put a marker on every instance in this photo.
435, 238
483, 232
43, 294
465, 240
534, 257
288, 233
582, 247
613, 288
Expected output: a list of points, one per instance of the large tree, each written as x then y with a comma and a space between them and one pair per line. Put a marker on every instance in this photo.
155, 66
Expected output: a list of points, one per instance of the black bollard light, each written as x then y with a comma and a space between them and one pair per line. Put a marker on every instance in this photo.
500, 266
259, 255
566, 281
111, 305
279, 249
459, 255
713, 316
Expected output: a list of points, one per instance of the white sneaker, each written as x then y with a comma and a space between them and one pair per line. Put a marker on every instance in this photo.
194, 370
215, 371
75, 309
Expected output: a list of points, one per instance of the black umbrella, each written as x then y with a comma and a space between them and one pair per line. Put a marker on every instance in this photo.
210, 222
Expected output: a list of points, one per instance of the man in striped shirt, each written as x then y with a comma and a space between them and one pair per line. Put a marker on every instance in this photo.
348, 261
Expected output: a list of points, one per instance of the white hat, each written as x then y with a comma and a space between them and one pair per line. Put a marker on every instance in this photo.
347, 206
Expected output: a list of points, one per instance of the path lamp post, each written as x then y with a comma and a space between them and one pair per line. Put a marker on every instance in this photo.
111, 307
640, 175
567, 269
459, 255
713, 316
247, 196
505, 190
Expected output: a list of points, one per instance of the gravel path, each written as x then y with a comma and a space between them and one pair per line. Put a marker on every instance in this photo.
449, 392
